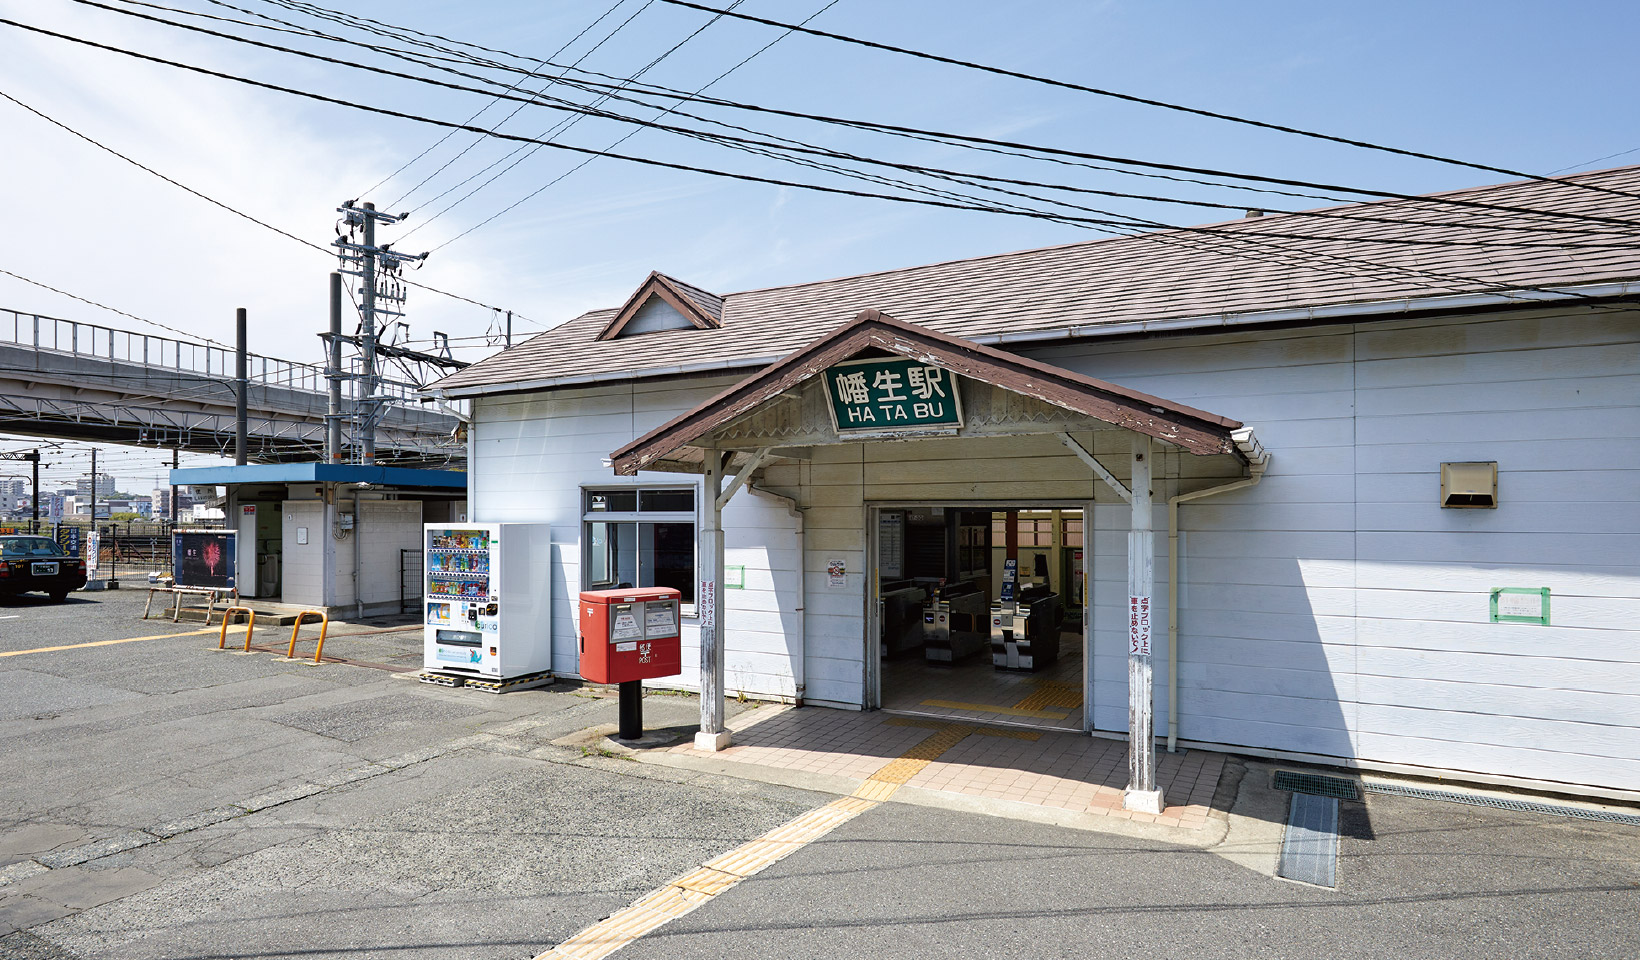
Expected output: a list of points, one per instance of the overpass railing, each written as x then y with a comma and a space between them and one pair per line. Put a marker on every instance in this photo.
78, 339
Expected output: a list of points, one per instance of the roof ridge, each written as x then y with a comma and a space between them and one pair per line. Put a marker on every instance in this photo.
1170, 229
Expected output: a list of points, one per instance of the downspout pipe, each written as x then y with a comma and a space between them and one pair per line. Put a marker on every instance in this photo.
1258, 460
799, 662
358, 552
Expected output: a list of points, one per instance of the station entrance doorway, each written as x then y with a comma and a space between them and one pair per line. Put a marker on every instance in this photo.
980, 612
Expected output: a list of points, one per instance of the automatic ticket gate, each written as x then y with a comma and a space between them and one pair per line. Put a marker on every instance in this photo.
1025, 632
954, 622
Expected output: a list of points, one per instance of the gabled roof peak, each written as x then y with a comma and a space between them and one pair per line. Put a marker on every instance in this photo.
701, 309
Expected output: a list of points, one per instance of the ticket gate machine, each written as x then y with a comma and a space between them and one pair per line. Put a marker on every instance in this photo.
1025, 632
954, 622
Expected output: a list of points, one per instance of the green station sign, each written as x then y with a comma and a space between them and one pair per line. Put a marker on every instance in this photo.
892, 395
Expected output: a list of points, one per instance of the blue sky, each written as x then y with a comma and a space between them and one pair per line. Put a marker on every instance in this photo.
1529, 86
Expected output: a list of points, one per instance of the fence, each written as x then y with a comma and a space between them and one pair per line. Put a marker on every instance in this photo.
410, 581
73, 338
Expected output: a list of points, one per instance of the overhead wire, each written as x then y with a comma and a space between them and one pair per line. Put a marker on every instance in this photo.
1145, 101
562, 127
630, 134
650, 161
564, 105
673, 94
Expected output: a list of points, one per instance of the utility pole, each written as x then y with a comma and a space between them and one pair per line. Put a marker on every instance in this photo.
93, 488
176, 461
378, 269
333, 374
509, 329
242, 388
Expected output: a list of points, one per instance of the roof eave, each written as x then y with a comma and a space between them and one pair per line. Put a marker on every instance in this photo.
1325, 313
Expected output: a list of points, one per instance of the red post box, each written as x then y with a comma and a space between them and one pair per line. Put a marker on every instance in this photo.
631, 634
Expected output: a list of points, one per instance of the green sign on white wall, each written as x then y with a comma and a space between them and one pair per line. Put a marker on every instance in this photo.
892, 395
1520, 605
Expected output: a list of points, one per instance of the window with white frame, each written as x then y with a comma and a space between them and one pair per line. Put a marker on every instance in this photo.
639, 537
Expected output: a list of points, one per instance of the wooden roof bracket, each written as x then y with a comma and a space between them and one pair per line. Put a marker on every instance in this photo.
1098, 468
745, 474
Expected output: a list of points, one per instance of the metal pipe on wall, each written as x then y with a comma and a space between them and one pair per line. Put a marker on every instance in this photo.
1258, 461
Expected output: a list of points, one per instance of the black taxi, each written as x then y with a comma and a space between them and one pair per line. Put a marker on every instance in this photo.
29, 563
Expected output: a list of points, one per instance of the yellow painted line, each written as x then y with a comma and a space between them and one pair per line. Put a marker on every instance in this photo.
724, 871
104, 643
993, 708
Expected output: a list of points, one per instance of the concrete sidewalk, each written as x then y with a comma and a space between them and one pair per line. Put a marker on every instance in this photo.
1047, 776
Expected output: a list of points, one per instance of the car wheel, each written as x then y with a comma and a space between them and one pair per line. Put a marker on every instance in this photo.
59, 596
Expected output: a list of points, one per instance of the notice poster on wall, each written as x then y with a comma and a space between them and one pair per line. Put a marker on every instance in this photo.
891, 544
1139, 626
204, 558
837, 573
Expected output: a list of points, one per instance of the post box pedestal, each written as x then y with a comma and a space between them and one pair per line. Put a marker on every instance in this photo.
628, 636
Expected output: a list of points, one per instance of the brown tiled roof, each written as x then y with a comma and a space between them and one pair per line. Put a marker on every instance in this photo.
1123, 283
1193, 430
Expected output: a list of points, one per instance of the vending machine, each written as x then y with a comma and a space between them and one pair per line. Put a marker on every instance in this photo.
487, 599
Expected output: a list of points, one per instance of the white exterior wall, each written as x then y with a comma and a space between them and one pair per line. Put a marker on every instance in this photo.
1337, 609
303, 573
1334, 609
532, 456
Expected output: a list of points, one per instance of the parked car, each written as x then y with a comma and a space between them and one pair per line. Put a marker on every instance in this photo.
38, 564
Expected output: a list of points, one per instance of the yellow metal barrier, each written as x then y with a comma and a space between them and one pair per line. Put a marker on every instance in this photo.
324, 627
250, 625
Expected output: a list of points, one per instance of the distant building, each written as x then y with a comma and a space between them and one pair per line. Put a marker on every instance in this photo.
106, 486
13, 489
161, 501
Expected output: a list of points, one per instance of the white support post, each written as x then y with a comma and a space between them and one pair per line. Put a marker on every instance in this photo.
712, 736
1142, 794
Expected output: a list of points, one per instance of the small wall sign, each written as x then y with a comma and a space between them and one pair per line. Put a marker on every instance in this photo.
1520, 605
892, 395
734, 577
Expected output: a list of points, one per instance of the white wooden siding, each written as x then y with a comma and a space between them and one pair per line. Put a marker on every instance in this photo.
533, 454
1337, 609
1333, 609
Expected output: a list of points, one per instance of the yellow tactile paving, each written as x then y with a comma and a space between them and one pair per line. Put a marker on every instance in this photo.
996, 709
876, 790
1052, 694
931, 724
720, 873
708, 881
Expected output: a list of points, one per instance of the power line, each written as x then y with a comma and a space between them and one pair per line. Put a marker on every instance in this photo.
215, 202
103, 306
562, 127
694, 169
1146, 101
670, 93
477, 140
634, 132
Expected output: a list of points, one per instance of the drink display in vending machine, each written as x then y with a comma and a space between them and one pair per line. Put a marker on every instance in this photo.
487, 599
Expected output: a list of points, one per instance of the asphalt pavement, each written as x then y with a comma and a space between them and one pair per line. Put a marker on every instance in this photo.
169, 801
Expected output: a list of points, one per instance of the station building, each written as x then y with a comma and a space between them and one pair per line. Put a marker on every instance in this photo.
1359, 486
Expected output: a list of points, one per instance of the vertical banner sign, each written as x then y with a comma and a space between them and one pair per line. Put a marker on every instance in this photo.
1139, 626
93, 553
708, 604
892, 395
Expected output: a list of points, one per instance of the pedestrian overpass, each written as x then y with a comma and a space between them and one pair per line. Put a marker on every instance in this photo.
81, 381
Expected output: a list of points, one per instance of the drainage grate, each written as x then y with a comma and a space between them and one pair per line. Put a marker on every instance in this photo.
1523, 806
1309, 783
1309, 850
